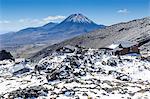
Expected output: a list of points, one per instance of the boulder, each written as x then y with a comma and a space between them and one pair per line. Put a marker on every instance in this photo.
120, 76
4, 55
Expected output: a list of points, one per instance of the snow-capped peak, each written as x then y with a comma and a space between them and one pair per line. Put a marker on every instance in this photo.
79, 18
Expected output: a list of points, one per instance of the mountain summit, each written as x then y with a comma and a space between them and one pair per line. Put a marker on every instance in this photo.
76, 24
78, 18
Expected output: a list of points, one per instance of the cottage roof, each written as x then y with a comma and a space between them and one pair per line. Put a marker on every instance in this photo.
113, 46
124, 44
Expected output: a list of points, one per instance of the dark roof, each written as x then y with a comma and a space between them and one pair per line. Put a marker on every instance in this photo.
122, 44
126, 44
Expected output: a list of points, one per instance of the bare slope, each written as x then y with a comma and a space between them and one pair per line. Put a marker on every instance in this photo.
135, 30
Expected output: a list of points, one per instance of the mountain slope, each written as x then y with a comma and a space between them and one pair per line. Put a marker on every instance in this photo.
135, 30
30, 40
50, 31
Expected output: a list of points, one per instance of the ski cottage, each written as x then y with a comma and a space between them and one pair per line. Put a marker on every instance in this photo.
124, 47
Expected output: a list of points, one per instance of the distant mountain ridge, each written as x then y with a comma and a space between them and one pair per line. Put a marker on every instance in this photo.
30, 40
74, 25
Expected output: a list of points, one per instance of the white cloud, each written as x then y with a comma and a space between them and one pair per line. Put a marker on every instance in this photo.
53, 18
123, 11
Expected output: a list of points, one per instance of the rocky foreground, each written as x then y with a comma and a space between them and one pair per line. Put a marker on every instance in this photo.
82, 74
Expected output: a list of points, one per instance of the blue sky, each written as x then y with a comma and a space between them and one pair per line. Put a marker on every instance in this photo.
19, 14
